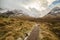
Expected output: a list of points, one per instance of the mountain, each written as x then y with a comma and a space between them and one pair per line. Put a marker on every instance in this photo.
53, 14
16, 13
55, 11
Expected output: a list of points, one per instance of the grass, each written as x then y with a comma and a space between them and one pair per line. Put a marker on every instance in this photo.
13, 28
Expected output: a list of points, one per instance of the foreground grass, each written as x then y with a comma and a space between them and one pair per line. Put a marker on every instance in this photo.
13, 28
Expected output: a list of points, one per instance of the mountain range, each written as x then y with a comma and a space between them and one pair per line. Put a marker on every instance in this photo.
54, 14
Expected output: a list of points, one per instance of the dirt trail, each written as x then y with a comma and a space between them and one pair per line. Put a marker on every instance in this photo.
34, 35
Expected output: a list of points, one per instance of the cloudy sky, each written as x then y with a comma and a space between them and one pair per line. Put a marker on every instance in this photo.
37, 5
25, 3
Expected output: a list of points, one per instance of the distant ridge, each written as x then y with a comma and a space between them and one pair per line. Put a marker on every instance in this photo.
54, 14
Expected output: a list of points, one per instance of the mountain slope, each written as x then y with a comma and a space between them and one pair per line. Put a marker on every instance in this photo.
53, 14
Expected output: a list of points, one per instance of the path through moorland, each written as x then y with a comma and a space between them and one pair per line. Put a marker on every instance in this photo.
34, 35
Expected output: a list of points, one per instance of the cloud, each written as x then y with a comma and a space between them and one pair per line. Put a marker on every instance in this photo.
24, 3
29, 5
